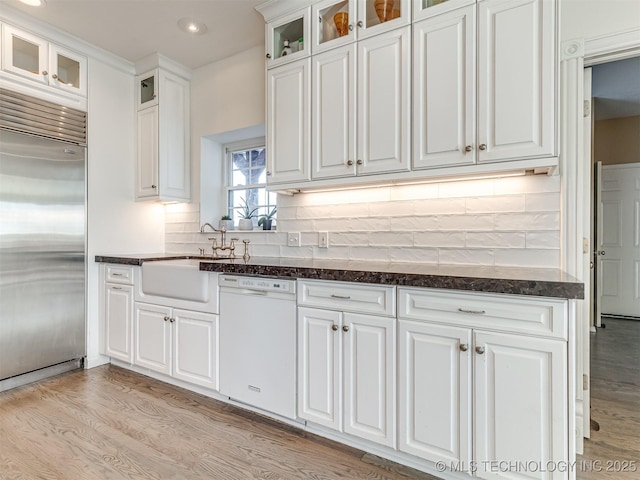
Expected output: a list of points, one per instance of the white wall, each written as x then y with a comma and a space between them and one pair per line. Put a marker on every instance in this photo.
595, 18
116, 223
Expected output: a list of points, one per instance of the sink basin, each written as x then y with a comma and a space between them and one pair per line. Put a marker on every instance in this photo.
180, 279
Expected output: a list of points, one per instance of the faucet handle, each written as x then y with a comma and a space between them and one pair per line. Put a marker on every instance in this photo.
246, 255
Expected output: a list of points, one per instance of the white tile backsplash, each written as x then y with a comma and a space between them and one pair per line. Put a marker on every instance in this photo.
505, 221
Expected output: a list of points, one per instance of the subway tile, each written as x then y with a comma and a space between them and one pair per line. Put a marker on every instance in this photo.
278, 238
256, 250
466, 222
527, 258
370, 253
414, 192
495, 240
542, 202
439, 239
286, 213
476, 188
548, 239
415, 224
333, 253
391, 239
371, 224
296, 252
527, 184
459, 256
527, 221
419, 255
349, 238
496, 204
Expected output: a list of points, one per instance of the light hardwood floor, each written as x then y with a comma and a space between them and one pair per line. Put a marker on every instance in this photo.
109, 423
615, 403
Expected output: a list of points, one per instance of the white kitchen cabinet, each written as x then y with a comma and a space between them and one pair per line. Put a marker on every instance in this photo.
454, 343
435, 397
377, 122
429, 8
520, 393
346, 372
119, 321
163, 161
295, 30
379, 16
513, 116
289, 122
180, 343
346, 360
34, 58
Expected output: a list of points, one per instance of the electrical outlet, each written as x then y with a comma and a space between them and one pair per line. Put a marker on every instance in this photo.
293, 239
323, 239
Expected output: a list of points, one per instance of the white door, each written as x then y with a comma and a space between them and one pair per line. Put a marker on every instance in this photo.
334, 113
620, 258
435, 392
195, 348
516, 79
289, 122
147, 160
118, 322
320, 366
597, 245
444, 89
384, 102
152, 337
369, 377
520, 405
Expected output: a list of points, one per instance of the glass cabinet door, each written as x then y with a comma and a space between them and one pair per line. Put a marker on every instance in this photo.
288, 38
429, 8
68, 70
333, 24
377, 16
147, 85
25, 54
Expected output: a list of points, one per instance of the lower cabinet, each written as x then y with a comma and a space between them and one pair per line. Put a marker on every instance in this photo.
346, 372
118, 320
180, 343
490, 402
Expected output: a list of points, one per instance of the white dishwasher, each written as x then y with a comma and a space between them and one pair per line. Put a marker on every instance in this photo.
258, 342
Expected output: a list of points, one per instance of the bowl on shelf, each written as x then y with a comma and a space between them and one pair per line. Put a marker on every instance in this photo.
341, 19
384, 9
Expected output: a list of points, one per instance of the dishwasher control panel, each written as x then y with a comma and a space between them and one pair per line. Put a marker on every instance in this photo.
258, 283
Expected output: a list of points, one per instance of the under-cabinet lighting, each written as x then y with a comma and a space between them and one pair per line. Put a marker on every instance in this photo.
34, 3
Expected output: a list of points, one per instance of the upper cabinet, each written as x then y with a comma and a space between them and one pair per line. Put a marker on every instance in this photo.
34, 58
410, 90
163, 162
513, 116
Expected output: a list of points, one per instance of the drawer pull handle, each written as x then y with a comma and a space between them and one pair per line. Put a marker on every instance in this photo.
118, 274
475, 312
341, 297
116, 288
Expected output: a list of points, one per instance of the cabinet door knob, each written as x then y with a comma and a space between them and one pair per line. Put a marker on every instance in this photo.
54, 76
482, 146
345, 328
351, 27
268, 173
479, 350
468, 148
268, 55
360, 24
349, 163
44, 72
464, 347
154, 187
359, 162
166, 319
334, 327
172, 320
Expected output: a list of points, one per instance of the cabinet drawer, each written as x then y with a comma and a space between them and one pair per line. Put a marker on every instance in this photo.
543, 317
348, 297
119, 274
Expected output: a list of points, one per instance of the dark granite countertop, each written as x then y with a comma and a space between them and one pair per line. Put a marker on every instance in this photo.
541, 282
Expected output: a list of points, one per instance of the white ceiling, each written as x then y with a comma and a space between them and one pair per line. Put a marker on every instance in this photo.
616, 88
133, 29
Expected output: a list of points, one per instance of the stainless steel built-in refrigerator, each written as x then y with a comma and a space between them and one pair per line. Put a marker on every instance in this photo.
42, 238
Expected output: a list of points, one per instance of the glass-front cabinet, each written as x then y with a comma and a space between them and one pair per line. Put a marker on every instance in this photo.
147, 85
429, 8
377, 16
32, 57
334, 24
288, 38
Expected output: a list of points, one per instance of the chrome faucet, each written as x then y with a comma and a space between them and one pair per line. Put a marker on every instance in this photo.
211, 226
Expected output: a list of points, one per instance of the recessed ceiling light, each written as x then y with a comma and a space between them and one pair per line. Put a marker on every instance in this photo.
192, 26
34, 3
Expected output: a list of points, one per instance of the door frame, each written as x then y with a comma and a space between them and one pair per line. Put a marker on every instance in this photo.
575, 168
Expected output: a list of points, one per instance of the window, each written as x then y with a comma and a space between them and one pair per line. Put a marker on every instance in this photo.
247, 179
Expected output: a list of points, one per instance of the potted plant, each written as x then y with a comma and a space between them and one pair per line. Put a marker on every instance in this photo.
265, 220
226, 223
246, 215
